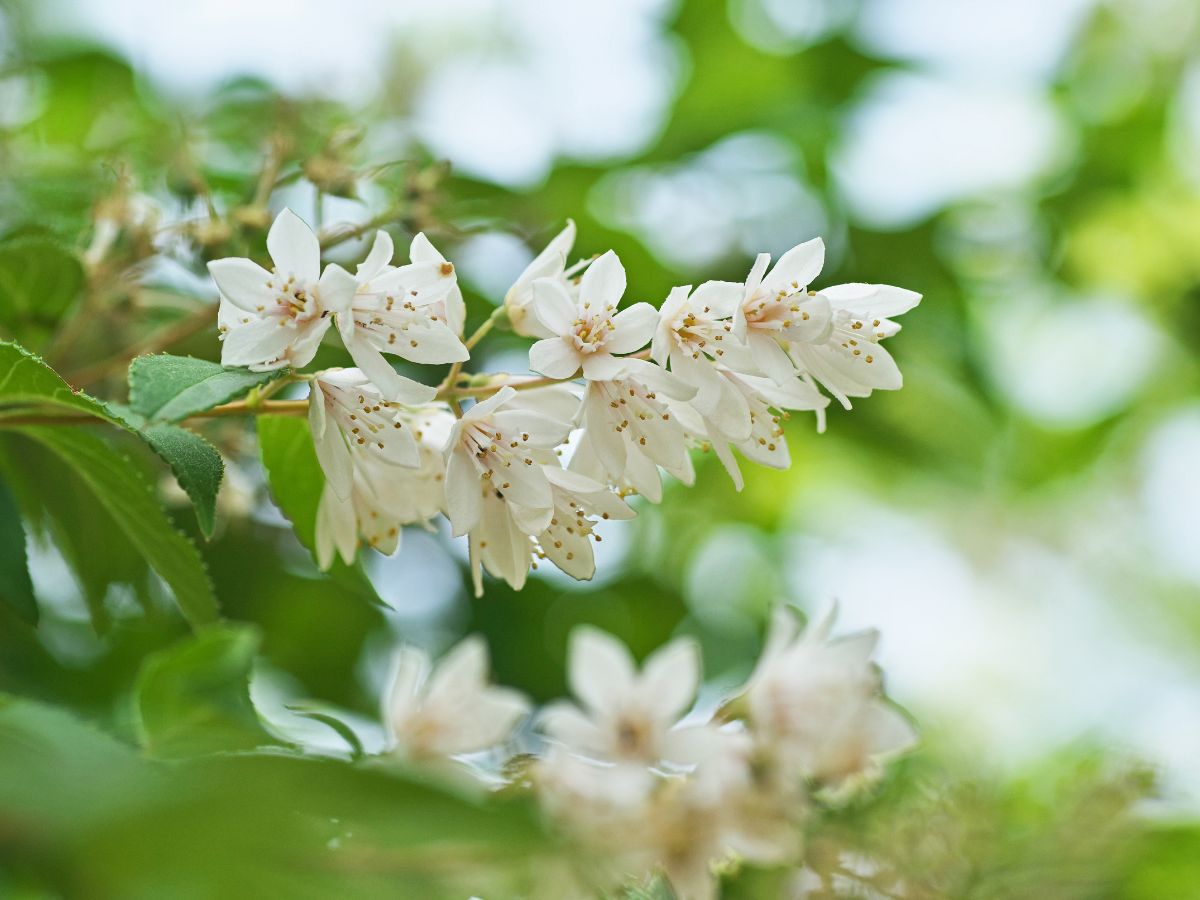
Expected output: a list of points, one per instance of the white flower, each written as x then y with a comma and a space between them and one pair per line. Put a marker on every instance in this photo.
831, 335
814, 704
629, 430
349, 416
451, 710
452, 309
777, 309
502, 545
849, 361
497, 450
627, 715
586, 327
768, 403
401, 311
550, 263
694, 333
384, 498
270, 320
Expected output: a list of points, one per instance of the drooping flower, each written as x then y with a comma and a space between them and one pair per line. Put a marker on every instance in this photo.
269, 320
814, 704
587, 330
550, 263
768, 403
626, 715
497, 450
630, 430
501, 544
349, 415
449, 710
385, 498
402, 311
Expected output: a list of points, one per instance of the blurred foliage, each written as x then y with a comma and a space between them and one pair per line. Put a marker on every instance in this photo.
102, 175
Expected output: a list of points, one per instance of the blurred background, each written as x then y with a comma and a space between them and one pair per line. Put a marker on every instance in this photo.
1021, 521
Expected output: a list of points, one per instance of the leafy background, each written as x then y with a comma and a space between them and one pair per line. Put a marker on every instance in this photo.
1020, 520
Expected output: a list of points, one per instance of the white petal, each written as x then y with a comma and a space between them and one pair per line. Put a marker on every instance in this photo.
603, 284
555, 358
382, 251
603, 367
600, 669
464, 493
877, 300
567, 723
771, 358
410, 667
294, 247
796, 269
720, 298
242, 282
459, 674
260, 342
553, 306
634, 327
337, 529
332, 452
670, 678
335, 290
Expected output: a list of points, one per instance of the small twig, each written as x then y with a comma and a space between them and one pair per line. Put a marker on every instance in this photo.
172, 334
337, 235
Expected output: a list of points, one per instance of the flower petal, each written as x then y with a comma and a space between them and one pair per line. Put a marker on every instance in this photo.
670, 678
633, 328
555, 358
464, 493
600, 669
603, 284
259, 343
243, 283
796, 269
553, 306
382, 251
294, 247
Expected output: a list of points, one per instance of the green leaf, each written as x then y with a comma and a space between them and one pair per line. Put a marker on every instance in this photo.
39, 280
296, 481
169, 388
25, 380
332, 722
197, 466
194, 698
16, 589
135, 509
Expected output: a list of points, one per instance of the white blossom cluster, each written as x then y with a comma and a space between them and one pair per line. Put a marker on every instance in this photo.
716, 366
638, 782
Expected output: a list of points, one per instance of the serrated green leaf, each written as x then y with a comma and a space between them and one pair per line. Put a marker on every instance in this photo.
25, 380
16, 588
197, 467
170, 388
135, 509
296, 480
194, 698
39, 280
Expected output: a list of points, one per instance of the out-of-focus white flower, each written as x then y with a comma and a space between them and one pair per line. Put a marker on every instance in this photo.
587, 330
349, 415
694, 332
269, 320
627, 715
403, 311
768, 403
385, 498
451, 709
550, 263
629, 430
814, 706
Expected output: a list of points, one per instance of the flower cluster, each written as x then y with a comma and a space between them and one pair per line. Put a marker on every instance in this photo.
640, 782
718, 366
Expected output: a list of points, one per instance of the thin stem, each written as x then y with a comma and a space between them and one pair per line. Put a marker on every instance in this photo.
340, 235
489, 323
172, 334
